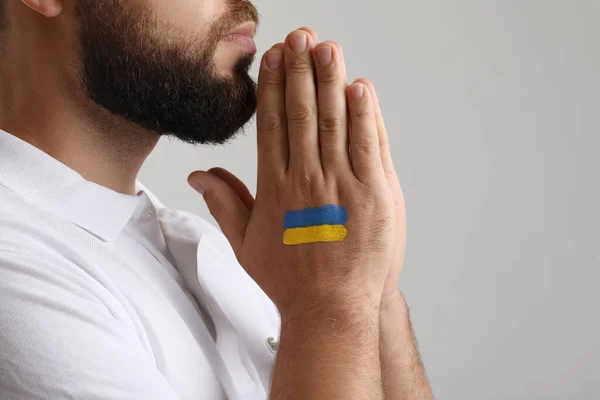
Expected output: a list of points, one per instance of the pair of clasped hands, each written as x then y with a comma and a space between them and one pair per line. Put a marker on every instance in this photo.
320, 142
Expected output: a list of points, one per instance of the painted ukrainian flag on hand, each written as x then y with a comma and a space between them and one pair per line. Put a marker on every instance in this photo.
312, 225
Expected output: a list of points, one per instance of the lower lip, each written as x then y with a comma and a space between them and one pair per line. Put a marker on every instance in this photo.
245, 42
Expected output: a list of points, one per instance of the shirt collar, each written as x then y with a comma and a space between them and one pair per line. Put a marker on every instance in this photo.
47, 183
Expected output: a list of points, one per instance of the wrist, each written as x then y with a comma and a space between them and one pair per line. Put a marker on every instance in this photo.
340, 313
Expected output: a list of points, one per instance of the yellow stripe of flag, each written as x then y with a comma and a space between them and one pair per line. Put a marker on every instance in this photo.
313, 234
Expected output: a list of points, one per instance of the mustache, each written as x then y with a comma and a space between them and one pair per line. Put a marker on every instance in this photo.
239, 12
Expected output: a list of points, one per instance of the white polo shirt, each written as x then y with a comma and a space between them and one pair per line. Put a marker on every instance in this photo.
110, 296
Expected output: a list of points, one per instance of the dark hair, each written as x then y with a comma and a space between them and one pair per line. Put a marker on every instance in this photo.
3, 15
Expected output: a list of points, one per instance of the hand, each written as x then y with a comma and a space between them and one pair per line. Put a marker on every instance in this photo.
391, 293
312, 153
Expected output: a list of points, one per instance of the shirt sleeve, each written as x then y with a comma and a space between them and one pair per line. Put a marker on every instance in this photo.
57, 341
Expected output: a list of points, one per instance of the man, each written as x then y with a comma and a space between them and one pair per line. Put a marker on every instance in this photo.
107, 294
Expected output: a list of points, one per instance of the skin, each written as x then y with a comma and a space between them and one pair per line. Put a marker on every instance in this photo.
345, 326
38, 105
304, 132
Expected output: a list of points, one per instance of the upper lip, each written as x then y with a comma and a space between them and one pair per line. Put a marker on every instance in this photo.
246, 29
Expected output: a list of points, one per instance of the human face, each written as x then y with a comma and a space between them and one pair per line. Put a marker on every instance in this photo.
171, 67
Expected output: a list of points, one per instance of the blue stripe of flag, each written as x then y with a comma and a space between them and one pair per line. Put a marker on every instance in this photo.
330, 214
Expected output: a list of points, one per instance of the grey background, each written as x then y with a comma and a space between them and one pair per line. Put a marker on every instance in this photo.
492, 107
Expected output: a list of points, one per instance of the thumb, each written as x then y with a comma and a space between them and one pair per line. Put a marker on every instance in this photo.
224, 205
236, 184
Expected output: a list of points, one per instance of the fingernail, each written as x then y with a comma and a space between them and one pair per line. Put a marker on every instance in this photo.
324, 55
357, 91
274, 59
298, 42
197, 186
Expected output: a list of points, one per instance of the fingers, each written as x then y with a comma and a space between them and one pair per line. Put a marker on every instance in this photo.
384, 144
301, 104
271, 120
390, 172
236, 184
311, 32
333, 118
364, 143
224, 205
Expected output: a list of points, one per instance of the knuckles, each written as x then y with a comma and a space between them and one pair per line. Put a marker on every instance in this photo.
329, 79
270, 122
360, 112
364, 147
330, 123
298, 65
306, 186
301, 113
270, 81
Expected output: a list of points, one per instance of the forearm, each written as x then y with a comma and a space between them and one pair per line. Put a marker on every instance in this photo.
402, 370
326, 355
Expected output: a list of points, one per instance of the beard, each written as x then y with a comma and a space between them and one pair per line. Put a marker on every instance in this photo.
160, 78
